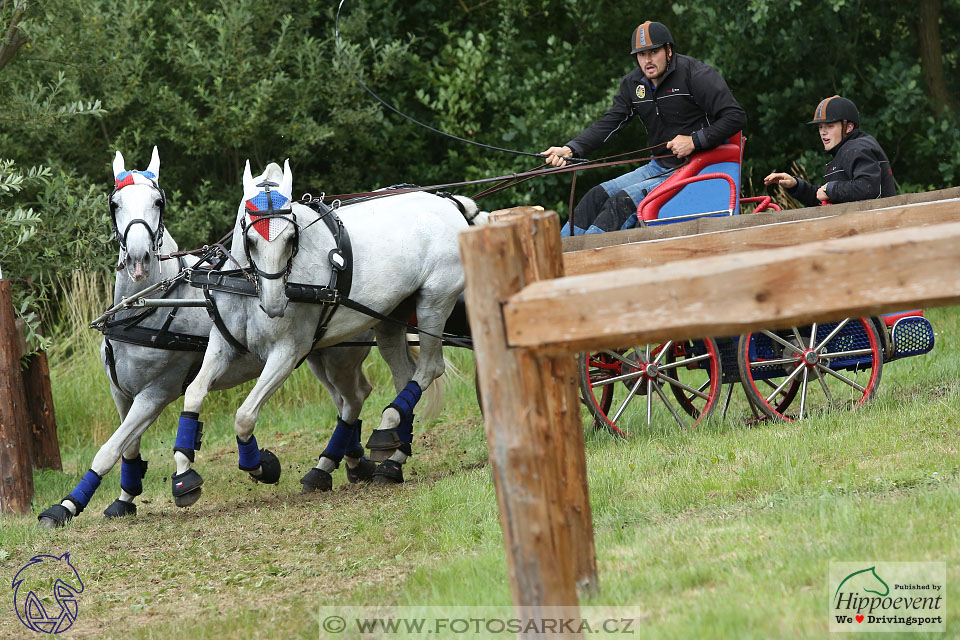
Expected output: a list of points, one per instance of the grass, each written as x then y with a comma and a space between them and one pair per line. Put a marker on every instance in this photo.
725, 531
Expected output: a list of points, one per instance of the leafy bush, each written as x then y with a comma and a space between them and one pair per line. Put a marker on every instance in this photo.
215, 83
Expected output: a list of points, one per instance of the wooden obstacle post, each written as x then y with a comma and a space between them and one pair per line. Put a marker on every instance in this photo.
41, 421
16, 474
530, 420
539, 234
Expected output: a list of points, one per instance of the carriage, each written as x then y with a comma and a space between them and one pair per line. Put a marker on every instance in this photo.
785, 374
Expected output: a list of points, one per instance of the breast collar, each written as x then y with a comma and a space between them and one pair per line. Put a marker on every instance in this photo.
330, 295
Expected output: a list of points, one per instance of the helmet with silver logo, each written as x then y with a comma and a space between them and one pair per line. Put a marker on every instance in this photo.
650, 35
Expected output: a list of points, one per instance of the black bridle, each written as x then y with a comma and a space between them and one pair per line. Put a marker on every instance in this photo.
268, 214
156, 237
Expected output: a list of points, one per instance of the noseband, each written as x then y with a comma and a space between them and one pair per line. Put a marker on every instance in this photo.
266, 215
156, 237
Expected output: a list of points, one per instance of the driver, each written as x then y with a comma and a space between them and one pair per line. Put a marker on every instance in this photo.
683, 103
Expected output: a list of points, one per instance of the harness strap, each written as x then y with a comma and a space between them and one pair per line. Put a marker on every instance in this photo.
232, 281
214, 313
111, 361
128, 330
341, 271
144, 337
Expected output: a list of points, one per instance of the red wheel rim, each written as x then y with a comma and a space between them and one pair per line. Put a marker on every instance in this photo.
832, 373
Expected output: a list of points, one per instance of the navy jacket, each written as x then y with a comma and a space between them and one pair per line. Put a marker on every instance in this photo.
691, 99
859, 170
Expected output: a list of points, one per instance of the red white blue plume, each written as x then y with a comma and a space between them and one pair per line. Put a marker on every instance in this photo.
123, 178
127, 178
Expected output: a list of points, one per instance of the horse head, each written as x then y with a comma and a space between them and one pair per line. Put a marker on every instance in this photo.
136, 208
268, 231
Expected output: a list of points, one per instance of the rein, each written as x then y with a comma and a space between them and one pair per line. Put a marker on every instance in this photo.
512, 179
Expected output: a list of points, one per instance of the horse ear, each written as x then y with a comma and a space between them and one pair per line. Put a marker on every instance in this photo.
286, 183
154, 166
247, 178
118, 164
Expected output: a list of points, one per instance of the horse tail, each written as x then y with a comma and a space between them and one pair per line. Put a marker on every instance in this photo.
431, 404
471, 212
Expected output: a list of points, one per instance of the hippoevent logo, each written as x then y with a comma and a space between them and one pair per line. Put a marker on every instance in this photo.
45, 593
888, 596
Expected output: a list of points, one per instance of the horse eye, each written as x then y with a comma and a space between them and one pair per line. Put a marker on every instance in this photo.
158, 203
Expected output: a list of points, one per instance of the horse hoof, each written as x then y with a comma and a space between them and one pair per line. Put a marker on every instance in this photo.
56, 516
316, 480
362, 472
388, 472
120, 508
269, 468
187, 499
186, 488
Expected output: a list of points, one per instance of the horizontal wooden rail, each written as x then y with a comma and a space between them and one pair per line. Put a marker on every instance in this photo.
706, 225
771, 236
731, 294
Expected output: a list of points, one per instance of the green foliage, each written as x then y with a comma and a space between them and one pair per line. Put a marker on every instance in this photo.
213, 84
781, 57
18, 226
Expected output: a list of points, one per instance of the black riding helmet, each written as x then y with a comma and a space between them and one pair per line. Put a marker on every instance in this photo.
650, 35
836, 109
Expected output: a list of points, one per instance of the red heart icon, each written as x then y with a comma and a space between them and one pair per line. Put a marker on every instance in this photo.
859, 618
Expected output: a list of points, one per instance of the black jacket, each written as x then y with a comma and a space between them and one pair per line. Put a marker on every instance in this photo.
859, 170
691, 99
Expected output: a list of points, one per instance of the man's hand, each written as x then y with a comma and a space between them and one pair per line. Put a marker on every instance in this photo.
681, 146
822, 194
785, 180
556, 155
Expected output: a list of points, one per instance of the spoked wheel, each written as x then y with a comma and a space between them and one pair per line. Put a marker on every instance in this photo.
625, 388
834, 365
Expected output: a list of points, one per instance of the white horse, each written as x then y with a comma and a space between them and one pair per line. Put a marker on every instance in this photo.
145, 379
406, 259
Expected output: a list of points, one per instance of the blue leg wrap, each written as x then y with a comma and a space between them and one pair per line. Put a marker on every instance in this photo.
82, 493
189, 434
131, 475
345, 439
406, 400
356, 449
405, 430
249, 454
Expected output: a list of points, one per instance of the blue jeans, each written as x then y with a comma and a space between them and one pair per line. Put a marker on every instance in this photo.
634, 185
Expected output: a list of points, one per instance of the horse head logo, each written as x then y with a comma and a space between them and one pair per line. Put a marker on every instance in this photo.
45, 576
866, 578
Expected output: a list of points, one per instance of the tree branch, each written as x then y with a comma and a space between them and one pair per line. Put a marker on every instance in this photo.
12, 39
